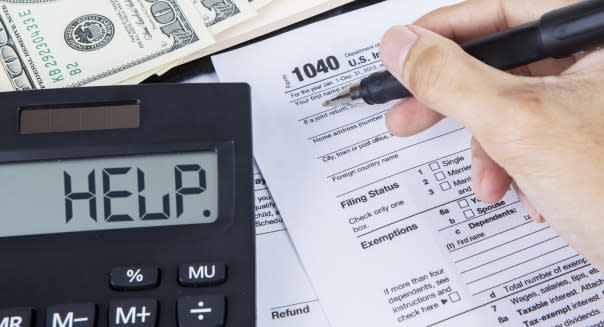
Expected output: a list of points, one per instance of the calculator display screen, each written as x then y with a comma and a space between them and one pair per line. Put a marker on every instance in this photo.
108, 193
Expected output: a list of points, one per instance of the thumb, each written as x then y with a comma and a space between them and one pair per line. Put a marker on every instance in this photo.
443, 77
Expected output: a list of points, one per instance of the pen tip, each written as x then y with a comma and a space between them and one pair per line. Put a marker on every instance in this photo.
341, 99
349, 97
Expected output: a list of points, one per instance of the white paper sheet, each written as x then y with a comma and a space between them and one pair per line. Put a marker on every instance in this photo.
284, 295
389, 229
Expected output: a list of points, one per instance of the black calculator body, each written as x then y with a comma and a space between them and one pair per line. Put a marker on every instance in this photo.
127, 206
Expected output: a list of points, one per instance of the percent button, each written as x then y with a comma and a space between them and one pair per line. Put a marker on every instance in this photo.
134, 278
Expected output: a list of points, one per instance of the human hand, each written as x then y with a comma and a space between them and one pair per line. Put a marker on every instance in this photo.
540, 127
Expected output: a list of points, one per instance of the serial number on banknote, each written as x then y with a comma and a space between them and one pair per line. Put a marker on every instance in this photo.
52, 66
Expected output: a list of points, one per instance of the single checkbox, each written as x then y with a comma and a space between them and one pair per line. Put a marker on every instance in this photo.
440, 176
454, 297
445, 186
469, 213
434, 166
463, 203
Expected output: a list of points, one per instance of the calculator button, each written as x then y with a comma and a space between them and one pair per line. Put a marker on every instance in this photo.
71, 315
201, 311
202, 274
134, 278
18, 317
133, 313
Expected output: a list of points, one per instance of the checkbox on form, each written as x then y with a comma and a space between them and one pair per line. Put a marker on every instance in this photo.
463, 203
454, 297
434, 166
469, 213
445, 186
440, 176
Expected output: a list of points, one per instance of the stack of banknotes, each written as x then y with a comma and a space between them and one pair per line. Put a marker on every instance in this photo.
72, 43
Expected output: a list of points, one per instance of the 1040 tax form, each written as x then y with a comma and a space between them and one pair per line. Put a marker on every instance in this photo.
389, 229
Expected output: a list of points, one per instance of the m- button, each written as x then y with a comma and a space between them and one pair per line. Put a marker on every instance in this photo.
19, 317
71, 315
199, 275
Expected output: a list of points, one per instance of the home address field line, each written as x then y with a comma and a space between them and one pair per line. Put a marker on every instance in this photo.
348, 124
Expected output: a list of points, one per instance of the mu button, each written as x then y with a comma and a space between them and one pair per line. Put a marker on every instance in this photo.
201, 311
71, 315
202, 274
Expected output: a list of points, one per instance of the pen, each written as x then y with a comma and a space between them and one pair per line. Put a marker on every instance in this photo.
558, 34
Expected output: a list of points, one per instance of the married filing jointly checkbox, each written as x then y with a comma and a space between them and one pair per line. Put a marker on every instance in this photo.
440, 176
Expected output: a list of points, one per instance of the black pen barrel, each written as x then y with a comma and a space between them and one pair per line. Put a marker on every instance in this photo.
573, 29
509, 49
382, 87
558, 34
505, 50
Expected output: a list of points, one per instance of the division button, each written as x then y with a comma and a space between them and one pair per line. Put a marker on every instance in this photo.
71, 315
18, 317
134, 278
202, 274
201, 311
133, 313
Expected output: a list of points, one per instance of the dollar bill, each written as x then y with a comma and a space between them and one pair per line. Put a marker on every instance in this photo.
219, 15
70, 43
259, 3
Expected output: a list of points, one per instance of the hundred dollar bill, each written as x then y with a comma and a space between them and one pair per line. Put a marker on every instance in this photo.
70, 43
276, 15
259, 3
219, 15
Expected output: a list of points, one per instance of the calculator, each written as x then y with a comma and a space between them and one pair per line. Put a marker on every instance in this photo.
127, 206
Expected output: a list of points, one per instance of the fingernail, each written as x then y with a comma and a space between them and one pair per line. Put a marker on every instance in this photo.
396, 43
528, 205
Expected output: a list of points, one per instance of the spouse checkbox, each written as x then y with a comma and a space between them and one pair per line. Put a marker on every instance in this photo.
434, 166
463, 203
445, 186
469, 213
440, 176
